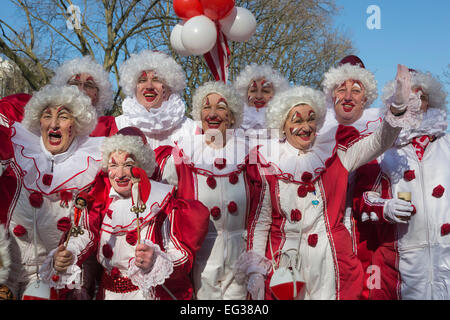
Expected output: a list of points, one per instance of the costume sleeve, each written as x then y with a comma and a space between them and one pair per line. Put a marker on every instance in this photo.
357, 152
82, 246
12, 108
254, 259
371, 185
106, 127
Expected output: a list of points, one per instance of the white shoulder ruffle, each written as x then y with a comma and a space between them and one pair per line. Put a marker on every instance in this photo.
160, 271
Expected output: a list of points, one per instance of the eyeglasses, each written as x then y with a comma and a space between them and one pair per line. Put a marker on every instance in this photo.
89, 86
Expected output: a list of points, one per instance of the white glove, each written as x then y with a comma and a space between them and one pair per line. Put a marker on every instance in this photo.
397, 210
255, 286
402, 87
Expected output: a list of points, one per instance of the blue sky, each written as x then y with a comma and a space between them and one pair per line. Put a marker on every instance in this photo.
414, 33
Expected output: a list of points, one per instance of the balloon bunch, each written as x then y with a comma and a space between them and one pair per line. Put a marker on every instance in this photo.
208, 24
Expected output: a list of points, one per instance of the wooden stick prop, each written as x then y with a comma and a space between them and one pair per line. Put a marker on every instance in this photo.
138, 206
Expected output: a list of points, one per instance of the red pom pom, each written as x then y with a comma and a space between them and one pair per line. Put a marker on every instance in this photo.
310, 187
312, 239
19, 231
215, 213
109, 213
47, 179
232, 207
36, 199
409, 175
233, 178
296, 215
438, 191
302, 191
211, 182
107, 251
220, 163
306, 176
115, 272
55, 278
445, 229
132, 237
63, 224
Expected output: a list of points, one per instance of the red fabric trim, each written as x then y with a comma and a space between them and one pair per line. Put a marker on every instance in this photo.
13, 107
106, 127
349, 280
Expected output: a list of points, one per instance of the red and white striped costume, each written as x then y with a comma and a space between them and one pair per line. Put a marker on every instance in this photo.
413, 258
217, 178
304, 207
37, 187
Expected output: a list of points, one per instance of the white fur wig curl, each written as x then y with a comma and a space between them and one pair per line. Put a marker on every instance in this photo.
338, 75
167, 69
437, 95
87, 64
280, 105
234, 100
133, 145
71, 97
254, 72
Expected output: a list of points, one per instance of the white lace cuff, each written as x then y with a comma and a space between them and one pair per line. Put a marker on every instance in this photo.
160, 271
250, 262
70, 279
412, 117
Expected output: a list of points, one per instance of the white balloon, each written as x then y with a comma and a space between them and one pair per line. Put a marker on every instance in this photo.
239, 25
199, 35
175, 40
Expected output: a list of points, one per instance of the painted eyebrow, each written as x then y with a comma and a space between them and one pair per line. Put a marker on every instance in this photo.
222, 100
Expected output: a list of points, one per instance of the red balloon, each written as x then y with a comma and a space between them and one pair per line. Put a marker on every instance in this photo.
217, 9
186, 9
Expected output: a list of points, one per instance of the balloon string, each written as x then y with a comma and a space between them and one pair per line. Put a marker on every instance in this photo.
220, 52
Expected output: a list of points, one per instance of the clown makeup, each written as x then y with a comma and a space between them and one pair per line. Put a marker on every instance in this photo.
300, 127
57, 129
349, 100
215, 114
259, 93
119, 172
151, 91
86, 83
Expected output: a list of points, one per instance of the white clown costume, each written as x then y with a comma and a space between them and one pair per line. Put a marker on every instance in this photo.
112, 231
42, 186
255, 118
163, 125
303, 208
216, 177
413, 257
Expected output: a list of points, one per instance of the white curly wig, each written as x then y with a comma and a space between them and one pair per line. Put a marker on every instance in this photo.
134, 145
278, 108
254, 72
437, 96
73, 99
234, 100
337, 75
87, 64
170, 72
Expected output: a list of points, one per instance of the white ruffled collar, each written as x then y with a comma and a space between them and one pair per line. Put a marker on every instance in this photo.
154, 121
290, 163
434, 123
123, 220
369, 121
254, 118
72, 170
200, 155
